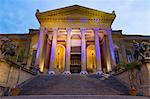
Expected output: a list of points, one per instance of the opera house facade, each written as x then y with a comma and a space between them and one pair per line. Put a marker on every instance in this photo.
75, 39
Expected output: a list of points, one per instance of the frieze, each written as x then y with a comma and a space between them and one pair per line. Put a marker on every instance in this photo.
76, 19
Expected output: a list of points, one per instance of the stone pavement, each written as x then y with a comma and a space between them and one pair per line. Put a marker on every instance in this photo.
74, 97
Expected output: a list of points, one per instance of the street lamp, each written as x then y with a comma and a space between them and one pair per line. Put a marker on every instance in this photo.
58, 58
92, 59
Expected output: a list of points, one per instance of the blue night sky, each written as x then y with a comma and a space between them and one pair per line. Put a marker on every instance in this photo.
133, 16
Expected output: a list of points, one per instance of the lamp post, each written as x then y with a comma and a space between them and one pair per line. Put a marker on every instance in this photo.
92, 59
58, 58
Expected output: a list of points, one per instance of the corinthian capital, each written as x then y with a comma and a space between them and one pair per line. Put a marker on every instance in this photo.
68, 30
55, 29
96, 29
107, 30
83, 29
43, 29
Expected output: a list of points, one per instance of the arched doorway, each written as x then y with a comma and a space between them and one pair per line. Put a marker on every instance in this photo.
59, 61
91, 59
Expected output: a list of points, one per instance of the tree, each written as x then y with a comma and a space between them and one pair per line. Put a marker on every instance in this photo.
7, 48
22, 55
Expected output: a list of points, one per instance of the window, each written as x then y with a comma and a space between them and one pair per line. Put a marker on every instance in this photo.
129, 56
116, 56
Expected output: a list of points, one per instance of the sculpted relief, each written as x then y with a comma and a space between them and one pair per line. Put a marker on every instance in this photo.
141, 49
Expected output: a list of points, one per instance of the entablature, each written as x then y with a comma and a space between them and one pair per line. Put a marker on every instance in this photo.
76, 17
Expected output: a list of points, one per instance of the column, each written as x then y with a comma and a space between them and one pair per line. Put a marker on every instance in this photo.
97, 49
67, 66
110, 50
83, 51
53, 51
39, 62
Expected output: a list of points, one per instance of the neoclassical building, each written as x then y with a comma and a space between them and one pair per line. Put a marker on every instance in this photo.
75, 39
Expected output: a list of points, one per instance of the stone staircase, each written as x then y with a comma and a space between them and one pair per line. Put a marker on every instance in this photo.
74, 97
73, 84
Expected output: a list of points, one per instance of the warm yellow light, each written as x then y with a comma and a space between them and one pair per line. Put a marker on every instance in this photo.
41, 65
109, 65
59, 58
92, 51
58, 51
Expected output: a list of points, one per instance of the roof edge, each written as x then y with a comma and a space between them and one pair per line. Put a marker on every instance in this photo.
38, 11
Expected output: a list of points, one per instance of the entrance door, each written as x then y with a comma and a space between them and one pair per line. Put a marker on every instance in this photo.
75, 66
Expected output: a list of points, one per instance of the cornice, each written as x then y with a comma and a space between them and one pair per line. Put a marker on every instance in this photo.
74, 8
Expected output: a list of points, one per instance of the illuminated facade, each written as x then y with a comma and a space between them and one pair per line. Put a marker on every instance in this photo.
77, 34
76, 39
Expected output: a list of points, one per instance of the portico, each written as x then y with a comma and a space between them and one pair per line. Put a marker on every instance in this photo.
75, 39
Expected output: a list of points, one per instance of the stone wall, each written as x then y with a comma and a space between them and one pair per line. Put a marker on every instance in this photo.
12, 74
139, 78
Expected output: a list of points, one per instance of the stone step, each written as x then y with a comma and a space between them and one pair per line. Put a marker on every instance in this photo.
74, 97
73, 85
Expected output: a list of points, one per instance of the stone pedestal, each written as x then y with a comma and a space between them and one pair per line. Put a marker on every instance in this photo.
146, 88
147, 63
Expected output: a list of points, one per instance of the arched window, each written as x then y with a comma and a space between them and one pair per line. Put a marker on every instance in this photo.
129, 56
116, 56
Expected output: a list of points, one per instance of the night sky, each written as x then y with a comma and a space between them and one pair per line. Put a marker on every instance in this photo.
133, 16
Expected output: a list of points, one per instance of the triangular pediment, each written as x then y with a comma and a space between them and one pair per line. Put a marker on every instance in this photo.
75, 16
73, 11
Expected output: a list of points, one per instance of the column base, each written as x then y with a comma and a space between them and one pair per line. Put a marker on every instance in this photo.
66, 72
83, 72
51, 72
99, 73
106, 75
